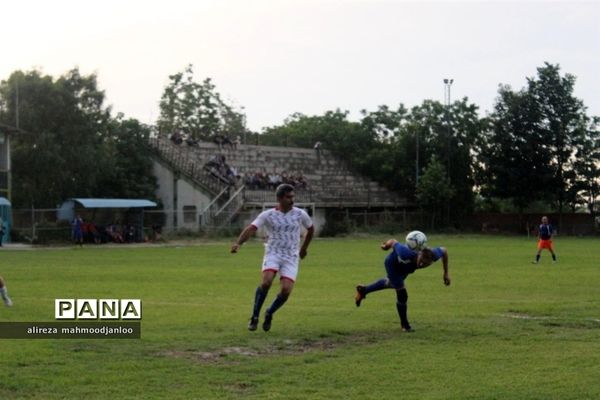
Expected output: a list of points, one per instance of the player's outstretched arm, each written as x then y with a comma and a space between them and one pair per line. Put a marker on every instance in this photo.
388, 244
245, 235
445, 266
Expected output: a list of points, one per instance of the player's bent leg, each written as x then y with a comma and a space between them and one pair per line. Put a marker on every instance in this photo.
362, 290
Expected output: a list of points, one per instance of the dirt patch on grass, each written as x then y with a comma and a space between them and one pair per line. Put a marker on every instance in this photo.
551, 321
281, 347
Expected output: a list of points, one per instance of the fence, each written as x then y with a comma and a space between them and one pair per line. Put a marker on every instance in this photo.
42, 226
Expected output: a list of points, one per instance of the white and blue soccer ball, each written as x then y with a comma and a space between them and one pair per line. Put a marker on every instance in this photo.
416, 240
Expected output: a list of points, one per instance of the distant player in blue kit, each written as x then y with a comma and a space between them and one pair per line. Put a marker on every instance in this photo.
545, 234
401, 262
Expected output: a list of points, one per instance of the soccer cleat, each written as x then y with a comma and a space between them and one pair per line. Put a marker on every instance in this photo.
267, 322
253, 324
7, 301
535, 262
407, 328
360, 294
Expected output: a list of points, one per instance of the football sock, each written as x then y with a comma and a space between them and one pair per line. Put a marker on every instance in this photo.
402, 306
3, 292
377, 285
402, 313
554, 257
277, 303
537, 258
259, 299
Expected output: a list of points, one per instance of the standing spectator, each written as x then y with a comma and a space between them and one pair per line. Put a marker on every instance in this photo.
77, 226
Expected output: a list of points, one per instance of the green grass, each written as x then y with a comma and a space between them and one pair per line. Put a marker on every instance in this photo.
504, 329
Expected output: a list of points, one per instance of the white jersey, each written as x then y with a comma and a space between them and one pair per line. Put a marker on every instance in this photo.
283, 230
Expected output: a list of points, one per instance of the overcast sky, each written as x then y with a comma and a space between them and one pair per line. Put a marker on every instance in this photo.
278, 57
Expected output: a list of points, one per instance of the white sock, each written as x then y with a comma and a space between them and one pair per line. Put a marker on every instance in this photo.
3, 292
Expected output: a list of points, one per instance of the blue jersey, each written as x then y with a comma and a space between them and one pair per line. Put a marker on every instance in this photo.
404, 260
546, 231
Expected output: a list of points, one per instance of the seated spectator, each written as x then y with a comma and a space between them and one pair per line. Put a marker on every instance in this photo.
218, 140
237, 142
192, 142
157, 231
228, 142
129, 233
176, 137
114, 233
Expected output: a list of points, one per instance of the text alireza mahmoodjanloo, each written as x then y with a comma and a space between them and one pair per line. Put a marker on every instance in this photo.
125, 309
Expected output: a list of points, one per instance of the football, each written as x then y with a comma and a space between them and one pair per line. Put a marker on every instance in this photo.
416, 240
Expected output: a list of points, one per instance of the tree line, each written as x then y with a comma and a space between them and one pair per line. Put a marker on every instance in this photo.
536, 148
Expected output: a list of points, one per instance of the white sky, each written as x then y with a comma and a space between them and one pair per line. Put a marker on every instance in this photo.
282, 56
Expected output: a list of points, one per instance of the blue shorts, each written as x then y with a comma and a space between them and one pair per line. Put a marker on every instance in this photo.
396, 277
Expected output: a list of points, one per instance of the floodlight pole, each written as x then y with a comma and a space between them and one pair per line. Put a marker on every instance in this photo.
417, 159
447, 87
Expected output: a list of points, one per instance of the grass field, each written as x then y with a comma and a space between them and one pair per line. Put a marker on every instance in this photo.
504, 329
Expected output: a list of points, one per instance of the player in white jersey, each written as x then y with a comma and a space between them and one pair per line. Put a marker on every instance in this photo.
283, 225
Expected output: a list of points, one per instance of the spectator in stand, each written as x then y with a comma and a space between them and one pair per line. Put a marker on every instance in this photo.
237, 142
227, 141
218, 139
191, 141
176, 137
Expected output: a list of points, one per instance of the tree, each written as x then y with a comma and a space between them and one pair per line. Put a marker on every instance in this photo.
562, 123
538, 138
197, 109
434, 190
517, 165
128, 161
67, 118
75, 148
586, 166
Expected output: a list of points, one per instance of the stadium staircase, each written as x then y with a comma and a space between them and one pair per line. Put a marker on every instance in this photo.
330, 181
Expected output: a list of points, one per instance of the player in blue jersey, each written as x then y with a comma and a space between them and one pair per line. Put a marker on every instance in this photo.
400, 263
545, 234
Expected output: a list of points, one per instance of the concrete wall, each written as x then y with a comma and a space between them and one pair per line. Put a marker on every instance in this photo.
177, 193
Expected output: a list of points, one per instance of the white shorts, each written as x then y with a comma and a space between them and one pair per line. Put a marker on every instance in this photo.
287, 266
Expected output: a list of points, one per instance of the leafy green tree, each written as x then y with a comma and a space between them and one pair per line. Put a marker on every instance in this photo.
517, 166
127, 161
67, 118
535, 148
197, 109
434, 190
586, 166
562, 124
74, 148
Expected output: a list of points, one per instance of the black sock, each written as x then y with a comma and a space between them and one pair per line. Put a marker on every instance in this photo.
259, 299
537, 258
277, 303
554, 257
402, 313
